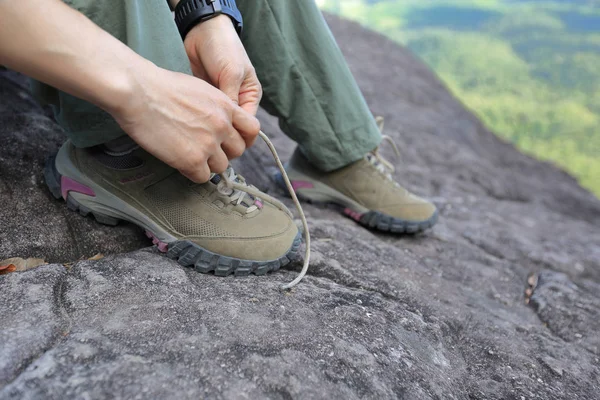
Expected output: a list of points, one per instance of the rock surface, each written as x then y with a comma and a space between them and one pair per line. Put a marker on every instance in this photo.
440, 315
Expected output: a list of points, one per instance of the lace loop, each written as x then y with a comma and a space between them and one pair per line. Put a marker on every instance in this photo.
383, 165
236, 196
388, 165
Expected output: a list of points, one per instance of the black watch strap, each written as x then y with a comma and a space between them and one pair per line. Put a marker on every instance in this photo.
190, 13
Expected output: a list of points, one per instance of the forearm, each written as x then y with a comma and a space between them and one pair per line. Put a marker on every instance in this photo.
49, 41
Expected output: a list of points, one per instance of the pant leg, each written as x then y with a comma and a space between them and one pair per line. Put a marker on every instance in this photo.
306, 81
147, 27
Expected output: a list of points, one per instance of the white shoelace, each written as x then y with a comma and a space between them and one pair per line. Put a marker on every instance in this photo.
235, 196
379, 162
238, 190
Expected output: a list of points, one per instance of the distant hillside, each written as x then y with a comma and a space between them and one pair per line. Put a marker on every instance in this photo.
529, 69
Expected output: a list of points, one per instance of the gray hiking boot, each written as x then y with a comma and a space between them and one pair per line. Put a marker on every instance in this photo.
208, 226
365, 191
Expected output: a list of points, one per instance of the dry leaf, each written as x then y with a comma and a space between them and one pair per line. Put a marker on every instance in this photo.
19, 264
5, 269
97, 257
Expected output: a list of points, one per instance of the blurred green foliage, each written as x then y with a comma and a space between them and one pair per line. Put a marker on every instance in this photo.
529, 69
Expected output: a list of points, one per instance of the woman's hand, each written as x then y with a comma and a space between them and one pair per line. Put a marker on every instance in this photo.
217, 55
185, 122
182, 120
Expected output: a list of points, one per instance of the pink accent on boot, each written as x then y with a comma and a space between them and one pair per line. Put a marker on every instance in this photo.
258, 203
302, 185
353, 214
69, 185
162, 246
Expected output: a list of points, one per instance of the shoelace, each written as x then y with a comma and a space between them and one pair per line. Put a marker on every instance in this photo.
236, 196
378, 161
230, 180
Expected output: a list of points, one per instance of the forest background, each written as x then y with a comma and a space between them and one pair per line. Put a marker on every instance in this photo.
529, 69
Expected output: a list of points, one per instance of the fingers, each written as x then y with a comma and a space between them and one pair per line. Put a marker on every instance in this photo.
246, 124
250, 94
250, 106
235, 146
243, 88
218, 162
230, 83
199, 174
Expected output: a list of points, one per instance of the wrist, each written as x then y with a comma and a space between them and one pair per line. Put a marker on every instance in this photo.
122, 91
191, 13
220, 24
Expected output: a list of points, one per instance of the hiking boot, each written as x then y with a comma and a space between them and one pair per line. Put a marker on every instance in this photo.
209, 226
364, 191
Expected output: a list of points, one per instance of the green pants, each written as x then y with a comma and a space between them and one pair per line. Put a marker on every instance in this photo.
306, 81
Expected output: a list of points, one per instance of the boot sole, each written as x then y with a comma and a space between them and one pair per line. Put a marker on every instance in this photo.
371, 219
185, 252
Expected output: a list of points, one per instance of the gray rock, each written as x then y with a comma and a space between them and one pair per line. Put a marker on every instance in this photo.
570, 311
438, 315
33, 318
31, 222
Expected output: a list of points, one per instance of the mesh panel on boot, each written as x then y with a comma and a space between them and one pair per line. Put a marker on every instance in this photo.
184, 220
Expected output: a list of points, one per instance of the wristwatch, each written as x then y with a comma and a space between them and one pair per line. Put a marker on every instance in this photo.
190, 13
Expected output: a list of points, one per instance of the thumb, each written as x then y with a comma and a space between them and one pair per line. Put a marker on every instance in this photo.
200, 72
231, 86
246, 124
